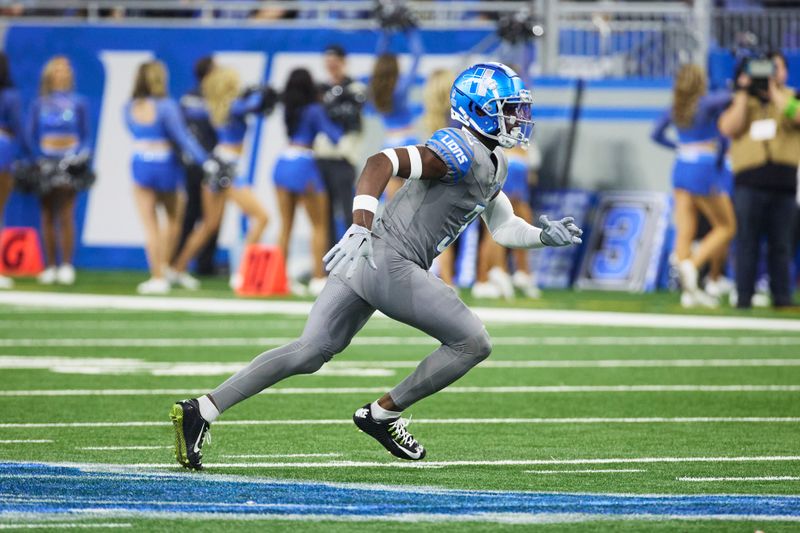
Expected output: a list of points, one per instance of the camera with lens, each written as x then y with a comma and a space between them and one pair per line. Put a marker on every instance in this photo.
516, 27
394, 16
753, 61
344, 103
760, 69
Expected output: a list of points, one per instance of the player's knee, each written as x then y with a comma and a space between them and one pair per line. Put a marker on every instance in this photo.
478, 346
317, 350
483, 345
307, 357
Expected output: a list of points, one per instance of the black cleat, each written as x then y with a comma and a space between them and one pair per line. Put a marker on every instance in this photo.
191, 432
392, 435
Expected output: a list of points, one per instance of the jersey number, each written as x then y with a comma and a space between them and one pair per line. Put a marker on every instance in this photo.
466, 219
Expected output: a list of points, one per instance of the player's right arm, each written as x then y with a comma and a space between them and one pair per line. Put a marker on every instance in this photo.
408, 162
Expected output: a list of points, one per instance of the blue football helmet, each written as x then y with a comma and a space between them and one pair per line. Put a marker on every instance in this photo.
491, 99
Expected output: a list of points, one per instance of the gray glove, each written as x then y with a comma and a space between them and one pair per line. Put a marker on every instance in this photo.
355, 246
559, 232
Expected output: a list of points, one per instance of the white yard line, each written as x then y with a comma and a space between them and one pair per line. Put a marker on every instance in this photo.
280, 455
757, 478
433, 421
515, 316
445, 464
65, 525
403, 518
584, 363
361, 369
26, 441
121, 448
174, 342
588, 471
545, 389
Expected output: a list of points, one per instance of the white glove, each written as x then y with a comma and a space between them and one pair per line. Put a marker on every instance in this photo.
355, 246
559, 232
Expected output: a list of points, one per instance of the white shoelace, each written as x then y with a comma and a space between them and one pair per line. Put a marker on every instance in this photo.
400, 434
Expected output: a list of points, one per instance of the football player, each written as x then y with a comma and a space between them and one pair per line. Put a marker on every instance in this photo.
382, 264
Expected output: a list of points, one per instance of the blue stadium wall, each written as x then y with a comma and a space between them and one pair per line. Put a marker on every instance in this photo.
613, 151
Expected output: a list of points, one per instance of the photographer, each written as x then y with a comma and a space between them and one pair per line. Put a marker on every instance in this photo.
763, 123
343, 99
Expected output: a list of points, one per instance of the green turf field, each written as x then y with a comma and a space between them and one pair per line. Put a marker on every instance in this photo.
577, 409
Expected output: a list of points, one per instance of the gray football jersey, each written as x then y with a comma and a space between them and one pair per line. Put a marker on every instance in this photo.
426, 216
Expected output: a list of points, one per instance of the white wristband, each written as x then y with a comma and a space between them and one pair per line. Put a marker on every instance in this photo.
415, 161
365, 202
392, 155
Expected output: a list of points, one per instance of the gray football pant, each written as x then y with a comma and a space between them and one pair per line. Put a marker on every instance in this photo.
401, 290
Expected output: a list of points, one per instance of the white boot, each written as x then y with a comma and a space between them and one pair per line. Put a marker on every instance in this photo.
6, 283
688, 274
485, 290
48, 276
65, 275
526, 283
153, 286
502, 280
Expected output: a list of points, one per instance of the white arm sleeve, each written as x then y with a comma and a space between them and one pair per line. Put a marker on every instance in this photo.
508, 229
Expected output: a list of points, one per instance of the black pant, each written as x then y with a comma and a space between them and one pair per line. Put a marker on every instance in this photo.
340, 177
194, 214
771, 214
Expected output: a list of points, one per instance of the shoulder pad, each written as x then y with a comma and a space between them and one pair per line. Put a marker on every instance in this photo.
453, 148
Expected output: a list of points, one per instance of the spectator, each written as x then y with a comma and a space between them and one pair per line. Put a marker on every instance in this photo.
58, 133
696, 178
228, 110
195, 114
343, 99
297, 177
493, 279
390, 93
10, 137
159, 132
764, 128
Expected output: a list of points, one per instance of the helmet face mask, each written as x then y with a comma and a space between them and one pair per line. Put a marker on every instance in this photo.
490, 98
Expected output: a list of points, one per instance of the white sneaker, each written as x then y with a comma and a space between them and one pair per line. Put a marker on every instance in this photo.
48, 276
6, 283
485, 290
153, 286
297, 288
760, 299
65, 275
698, 298
235, 282
502, 280
719, 287
525, 283
688, 274
316, 285
183, 280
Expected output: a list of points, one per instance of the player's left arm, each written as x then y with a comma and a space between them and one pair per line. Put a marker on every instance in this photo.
511, 231
409, 162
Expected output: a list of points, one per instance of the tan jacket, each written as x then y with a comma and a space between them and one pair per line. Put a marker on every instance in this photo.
783, 149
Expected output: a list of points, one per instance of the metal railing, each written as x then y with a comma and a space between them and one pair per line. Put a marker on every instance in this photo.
766, 29
587, 39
